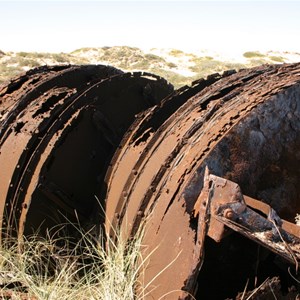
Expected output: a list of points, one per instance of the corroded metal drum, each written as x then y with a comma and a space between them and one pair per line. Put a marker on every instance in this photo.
59, 129
244, 127
70, 135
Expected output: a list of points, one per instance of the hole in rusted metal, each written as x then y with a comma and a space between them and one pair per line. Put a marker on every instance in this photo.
233, 262
19, 126
262, 154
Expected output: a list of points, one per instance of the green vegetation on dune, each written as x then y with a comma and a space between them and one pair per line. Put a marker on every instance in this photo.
84, 50
176, 52
177, 66
278, 59
253, 54
203, 66
7, 72
176, 79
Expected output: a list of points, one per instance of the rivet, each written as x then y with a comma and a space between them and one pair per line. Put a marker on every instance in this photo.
228, 213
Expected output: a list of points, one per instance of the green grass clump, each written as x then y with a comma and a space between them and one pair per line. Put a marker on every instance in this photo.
23, 54
84, 49
31, 63
278, 59
171, 65
256, 62
205, 67
7, 71
61, 57
253, 54
176, 52
176, 79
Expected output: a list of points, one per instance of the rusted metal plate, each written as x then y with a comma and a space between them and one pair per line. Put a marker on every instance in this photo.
58, 137
266, 210
233, 127
228, 207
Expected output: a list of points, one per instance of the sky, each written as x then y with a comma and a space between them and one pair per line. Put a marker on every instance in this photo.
222, 26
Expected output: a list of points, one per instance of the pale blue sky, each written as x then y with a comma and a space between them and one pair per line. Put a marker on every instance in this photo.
56, 26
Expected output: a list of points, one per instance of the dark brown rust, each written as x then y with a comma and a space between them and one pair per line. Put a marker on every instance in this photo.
244, 127
59, 129
228, 207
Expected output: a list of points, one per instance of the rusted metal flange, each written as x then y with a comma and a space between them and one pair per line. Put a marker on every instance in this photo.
244, 127
59, 129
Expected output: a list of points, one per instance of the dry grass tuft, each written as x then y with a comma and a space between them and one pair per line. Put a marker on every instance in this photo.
57, 268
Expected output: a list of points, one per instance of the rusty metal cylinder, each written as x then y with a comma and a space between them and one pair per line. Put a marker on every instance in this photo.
69, 134
244, 127
59, 128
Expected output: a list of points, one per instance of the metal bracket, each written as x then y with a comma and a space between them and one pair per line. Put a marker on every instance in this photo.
229, 208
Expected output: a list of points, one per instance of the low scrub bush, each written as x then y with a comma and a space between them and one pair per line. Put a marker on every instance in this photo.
253, 54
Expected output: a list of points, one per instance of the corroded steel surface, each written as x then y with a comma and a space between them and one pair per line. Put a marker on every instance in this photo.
227, 206
71, 133
244, 127
59, 128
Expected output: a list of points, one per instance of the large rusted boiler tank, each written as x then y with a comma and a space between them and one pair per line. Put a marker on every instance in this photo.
243, 127
213, 168
59, 128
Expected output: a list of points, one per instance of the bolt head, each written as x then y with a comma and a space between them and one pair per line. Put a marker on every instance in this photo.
228, 213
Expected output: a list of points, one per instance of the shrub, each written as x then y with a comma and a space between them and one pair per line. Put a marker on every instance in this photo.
252, 54
7, 72
257, 62
207, 66
23, 54
31, 63
176, 52
153, 57
176, 79
171, 65
279, 59
61, 57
